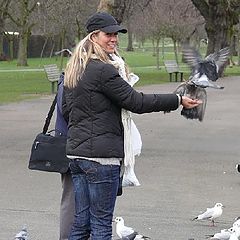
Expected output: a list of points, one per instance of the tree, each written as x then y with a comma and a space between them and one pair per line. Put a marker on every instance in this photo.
124, 10
170, 18
220, 17
20, 15
3, 16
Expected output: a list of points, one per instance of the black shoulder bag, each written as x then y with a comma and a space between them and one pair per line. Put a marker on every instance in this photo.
48, 151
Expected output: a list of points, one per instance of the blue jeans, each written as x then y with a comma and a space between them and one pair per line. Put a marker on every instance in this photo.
95, 187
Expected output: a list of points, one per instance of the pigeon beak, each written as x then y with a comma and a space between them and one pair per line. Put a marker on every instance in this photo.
223, 206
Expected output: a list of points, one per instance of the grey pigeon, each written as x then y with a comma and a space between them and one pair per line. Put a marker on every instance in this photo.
211, 213
204, 73
127, 233
22, 235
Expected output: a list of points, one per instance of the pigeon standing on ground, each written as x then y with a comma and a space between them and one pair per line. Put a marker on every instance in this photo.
236, 233
211, 213
222, 235
238, 167
204, 72
237, 222
22, 235
127, 233
225, 234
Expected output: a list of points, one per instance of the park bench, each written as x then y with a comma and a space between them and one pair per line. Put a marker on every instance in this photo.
173, 69
52, 73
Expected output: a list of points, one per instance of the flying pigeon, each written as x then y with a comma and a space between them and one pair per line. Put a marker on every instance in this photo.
127, 233
204, 72
22, 235
211, 213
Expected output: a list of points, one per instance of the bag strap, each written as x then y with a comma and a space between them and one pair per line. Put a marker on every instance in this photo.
52, 108
49, 116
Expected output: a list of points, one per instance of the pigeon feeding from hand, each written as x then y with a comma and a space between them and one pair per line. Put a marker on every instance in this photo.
127, 233
22, 235
211, 213
203, 73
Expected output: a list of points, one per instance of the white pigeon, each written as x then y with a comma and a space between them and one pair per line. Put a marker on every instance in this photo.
236, 223
127, 233
22, 235
236, 233
211, 213
224, 234
238, 167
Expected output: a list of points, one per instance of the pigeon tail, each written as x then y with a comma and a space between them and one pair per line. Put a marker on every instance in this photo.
195, 218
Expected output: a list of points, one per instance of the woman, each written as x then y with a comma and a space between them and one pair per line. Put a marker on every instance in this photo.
95, 94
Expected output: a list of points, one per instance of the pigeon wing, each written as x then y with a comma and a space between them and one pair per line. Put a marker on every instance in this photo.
191, 56
219, 57
130, 237
208, 214
126, 231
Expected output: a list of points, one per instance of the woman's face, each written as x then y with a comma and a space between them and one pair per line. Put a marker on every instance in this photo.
108, 41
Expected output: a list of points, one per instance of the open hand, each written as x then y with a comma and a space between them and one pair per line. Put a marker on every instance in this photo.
190, 103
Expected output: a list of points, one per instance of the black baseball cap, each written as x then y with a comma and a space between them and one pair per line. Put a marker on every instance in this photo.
104, 22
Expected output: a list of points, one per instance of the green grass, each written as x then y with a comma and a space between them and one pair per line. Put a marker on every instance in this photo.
17, 85
33, 63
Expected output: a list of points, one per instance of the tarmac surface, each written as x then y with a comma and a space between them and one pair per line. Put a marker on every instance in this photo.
185, 167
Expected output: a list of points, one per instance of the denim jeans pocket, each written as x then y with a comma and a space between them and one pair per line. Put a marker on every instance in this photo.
74, 167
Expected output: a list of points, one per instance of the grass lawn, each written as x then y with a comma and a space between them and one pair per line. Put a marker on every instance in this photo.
19, 83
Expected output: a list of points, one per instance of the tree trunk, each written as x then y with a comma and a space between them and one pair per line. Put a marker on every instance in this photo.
158, 53
11, 42
63, 36
154, 47
1, 44
130, 39
43, 48
163, 48
220, 19
114, 7
238, 43
175, 49
1, 35
22, 49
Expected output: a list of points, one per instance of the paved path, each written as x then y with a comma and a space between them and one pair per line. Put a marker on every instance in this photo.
185, 166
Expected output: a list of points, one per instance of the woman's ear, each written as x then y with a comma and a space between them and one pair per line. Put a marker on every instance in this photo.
94, 37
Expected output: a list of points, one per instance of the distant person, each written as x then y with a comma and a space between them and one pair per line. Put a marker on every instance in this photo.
67, 208
93, 98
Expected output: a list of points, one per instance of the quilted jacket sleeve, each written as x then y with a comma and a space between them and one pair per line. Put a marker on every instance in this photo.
120, 92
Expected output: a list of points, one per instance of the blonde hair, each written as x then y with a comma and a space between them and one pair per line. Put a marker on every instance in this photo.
84, 51
80, 58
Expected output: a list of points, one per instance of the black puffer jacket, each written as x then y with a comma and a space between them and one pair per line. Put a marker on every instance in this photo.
94, 108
